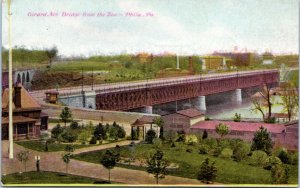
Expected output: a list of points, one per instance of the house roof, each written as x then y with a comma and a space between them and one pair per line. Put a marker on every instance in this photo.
191, 112
27, 102
18, 119
143, 120
240, 126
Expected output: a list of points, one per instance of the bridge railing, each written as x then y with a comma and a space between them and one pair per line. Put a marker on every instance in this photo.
115, 87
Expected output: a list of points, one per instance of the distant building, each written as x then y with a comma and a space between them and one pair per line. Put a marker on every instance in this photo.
240, 59
28, 118
182, 120
268, 58
144, 57
213, 62
142, 125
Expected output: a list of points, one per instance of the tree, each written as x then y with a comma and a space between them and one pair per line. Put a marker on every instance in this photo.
109, 160
222, 129
262, 100
289, 98
160, 123
279, 174
69, 148
237, 117
258, 158
67, 158
51, 54
56, 131
207, 172
157, 165
65, 115
150, 135
262, 141
74, 125
23, 157
84, 136
180, 136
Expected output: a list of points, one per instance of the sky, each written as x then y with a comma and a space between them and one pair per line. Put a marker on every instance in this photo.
178, 26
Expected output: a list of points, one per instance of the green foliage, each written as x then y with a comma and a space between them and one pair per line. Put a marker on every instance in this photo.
211, 142
271, 161
56, 131
241, 151
284, 156
109, 160
216, 151
293, 158
160, 123
222, 129
69, 136
116, 131
237, 117
83, 136
279, 174
93, 140
170, 136
262, 141
69, 148
100, 132
66, 157
204, 135
203, 149
207, 172
51, 53
65, 115
258, 158
157, 143
191, 139
226, 153
180, 136
134, 135
150, 135
74, 125
23, 157
157, 165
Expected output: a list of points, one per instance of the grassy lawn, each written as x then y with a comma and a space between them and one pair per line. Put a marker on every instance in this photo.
229, 171
40, 146
47, 178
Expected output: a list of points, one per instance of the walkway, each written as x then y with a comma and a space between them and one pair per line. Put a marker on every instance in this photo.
52, 161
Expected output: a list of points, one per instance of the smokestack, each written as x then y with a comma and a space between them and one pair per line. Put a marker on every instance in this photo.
17, 96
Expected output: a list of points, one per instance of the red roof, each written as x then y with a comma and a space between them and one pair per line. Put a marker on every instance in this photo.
240, 126
18, 119
191, 112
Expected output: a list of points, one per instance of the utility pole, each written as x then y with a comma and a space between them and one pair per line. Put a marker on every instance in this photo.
92, 79
82, 79
10, 110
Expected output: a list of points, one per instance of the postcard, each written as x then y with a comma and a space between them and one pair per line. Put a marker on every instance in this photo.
150, 93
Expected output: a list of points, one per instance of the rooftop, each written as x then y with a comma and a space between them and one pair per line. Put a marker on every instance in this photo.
240, 126
191, 112
18, 119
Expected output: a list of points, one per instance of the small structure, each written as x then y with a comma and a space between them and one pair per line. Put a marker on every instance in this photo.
268, 58
182, 120
28, 118
52, 96
142, 125
144, 57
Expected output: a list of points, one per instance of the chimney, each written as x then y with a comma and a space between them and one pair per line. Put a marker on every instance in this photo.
17, 97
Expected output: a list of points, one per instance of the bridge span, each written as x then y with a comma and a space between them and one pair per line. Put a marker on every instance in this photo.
131, 95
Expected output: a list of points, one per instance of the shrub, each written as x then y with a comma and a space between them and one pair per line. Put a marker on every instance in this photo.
284, 156
225, 143
262, 141
69, 148
215, 151
170, 136
211, 142
226, 153
150, 135
83, 136
74, 125
241, 151
237, 117
56, 131
279, 174
293, 158
116, 131
100, 132
207, 172
69, 136
191, 139
93, 140
180, 136
157, 143
203, 149
222, 129
258, 158
271, 161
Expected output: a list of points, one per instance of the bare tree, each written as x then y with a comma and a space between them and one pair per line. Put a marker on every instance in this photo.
289, 98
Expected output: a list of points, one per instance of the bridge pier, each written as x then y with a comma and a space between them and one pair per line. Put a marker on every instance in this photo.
148, 109
202, 103
238, 96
